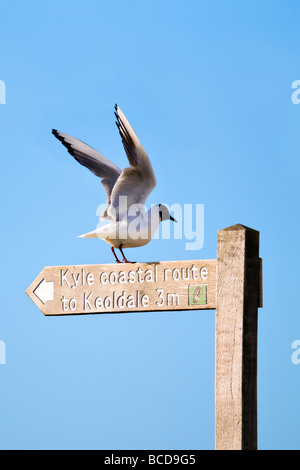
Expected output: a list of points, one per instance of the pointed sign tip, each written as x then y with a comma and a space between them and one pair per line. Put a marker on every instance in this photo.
44, 291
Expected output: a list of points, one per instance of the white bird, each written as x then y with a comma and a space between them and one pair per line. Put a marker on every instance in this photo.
128, 224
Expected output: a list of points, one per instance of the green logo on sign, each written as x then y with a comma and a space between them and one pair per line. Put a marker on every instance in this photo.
198, 295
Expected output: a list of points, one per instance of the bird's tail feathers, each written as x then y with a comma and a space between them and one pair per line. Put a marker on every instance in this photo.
93, 234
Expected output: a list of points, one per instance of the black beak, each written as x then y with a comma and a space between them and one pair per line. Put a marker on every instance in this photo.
172, 218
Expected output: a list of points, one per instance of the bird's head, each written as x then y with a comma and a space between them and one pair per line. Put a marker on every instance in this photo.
164, 213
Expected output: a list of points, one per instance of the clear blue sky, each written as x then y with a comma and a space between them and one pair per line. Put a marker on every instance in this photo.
207, 86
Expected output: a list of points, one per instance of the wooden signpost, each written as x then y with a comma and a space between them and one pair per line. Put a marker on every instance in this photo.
231, 285
120, 288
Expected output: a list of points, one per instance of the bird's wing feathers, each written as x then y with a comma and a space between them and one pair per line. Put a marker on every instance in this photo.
133, 184
93, 160
137, 181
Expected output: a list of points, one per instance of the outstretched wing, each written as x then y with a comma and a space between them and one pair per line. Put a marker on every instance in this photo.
93, 160
138, 181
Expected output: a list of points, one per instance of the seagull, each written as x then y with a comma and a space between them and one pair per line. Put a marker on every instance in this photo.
128, 224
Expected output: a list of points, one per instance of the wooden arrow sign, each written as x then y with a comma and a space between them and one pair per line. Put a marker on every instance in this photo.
116, 288
235, 291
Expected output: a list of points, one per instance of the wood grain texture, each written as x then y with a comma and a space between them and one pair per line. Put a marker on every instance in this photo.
120, 288
238, 299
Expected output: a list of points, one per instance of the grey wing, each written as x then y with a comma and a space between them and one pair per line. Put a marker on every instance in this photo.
93, 160
137, 181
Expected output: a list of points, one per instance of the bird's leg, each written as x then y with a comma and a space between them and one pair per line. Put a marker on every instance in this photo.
124, 258
117, 259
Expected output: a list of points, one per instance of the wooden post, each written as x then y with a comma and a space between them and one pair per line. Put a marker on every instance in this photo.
232, 285
238, 299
